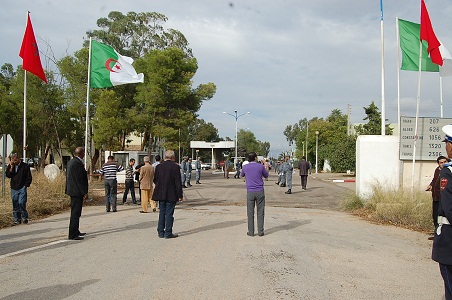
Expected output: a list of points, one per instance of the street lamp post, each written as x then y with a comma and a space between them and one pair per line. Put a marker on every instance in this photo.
316, 150
236, 116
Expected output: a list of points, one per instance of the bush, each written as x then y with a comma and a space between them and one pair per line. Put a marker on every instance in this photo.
398, 207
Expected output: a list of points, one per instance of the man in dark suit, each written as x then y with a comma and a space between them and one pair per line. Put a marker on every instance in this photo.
304, 167
77, 188
168, 191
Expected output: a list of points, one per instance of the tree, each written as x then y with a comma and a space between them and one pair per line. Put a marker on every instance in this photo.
264, 148
373, 125
167, 101
246, 142
135, 34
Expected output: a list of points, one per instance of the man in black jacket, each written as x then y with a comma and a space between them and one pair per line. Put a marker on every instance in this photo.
77, 188
168, 191
20, 175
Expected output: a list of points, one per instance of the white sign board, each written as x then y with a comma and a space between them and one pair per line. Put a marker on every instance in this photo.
9, 145
430, 136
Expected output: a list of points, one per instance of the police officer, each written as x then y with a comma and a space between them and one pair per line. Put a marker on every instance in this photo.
198, 170
288, 170
188, 169
183, 167
442, 243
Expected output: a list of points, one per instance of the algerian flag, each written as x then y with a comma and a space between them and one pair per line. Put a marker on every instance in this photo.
409, 44
109, 68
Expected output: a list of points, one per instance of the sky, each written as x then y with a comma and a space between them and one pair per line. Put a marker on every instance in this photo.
281, 60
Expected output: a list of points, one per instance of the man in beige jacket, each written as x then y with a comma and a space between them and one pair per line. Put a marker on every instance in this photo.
146, 180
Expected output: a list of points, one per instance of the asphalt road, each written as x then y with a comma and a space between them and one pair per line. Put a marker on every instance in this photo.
310, 251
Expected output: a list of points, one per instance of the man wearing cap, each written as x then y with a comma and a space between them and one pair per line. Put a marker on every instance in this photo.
442, 243
288, 169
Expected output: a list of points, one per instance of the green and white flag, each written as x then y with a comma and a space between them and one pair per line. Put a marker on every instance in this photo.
409, 44
109, 68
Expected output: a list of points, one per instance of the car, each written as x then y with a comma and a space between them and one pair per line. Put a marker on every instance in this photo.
205, 166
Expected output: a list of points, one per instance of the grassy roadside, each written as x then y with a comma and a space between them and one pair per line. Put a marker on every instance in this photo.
403, 208
45, 198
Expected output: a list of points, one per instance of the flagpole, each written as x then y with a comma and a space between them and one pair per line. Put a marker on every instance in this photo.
441, 94
398, 75
417, 114
87, 104
383, 109
25, 117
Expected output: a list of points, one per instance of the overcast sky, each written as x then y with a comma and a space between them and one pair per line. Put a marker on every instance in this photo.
282, 60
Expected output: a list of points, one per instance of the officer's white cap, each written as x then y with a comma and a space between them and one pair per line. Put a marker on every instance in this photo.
448, 132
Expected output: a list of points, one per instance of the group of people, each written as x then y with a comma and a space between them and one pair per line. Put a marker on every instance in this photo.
186, 168
285, 171
167, 192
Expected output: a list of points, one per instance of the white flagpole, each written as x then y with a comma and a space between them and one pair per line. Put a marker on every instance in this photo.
398, 74
441, 93
417, 114
87, 104
383, 109
25, 118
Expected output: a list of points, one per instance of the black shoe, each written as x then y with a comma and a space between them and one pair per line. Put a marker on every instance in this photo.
161, 236
154, 209
108, 210
114, 210
261, 234
172, 236
25, 221
277, 183
283, 185
143, 212
81, 233
16, 223
431, 238
288, 192
249, 234
77, 238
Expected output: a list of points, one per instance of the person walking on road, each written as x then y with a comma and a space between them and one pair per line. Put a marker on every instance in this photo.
188, 169
146, 181
21, 178
442, 243
255, 195
109, 171
77, 189
198, 167
130, 183
168, 191
304, 167
288, 171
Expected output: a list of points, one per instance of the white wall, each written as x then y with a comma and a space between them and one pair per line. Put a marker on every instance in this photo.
377, 162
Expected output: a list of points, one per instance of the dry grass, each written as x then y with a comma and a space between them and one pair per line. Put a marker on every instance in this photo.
402, 208
46, 198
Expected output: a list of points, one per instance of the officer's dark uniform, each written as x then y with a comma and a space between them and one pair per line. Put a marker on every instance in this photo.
442, 244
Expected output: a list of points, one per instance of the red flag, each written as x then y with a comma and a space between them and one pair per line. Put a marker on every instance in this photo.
30, 53
428, 35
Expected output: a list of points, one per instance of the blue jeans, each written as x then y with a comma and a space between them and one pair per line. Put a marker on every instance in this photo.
19, 198
166, 218
111, 190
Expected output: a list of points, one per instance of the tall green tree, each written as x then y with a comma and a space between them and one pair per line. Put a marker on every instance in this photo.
373, 125
246, 142
264, 148
167, 101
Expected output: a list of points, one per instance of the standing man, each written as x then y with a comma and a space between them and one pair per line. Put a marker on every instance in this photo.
238, 167
442, 243
77, 189
198, 166
157, 161
168, 191
109, 170
137, 178
304, 167
434, 187
188, 169
255, 196
183, 167
130, 183
146, 178
20, 175
288, 170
